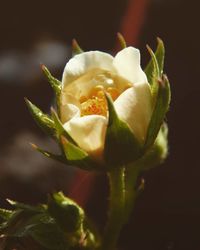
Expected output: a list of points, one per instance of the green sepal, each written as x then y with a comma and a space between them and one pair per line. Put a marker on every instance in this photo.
42, 120
76, 156
19, 205
5, 214
68, 215
157, 58
154, 77
121, 40
59, 127
47, 154
161, 107
157, 153
121, 146
55, 84
76, 49
72, 220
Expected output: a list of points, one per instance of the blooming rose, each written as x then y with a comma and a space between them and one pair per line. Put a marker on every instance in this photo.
83, 106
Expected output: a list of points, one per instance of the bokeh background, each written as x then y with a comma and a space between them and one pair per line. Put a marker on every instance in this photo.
167, 214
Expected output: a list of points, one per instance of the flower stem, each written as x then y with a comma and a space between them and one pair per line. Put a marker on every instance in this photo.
116, 209
131, 191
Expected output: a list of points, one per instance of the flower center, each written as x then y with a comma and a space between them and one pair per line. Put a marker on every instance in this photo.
95, 103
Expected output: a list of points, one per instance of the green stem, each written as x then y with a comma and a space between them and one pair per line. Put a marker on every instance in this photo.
116, 209
131, 191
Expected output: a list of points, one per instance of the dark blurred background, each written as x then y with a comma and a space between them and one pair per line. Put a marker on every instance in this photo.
167, 214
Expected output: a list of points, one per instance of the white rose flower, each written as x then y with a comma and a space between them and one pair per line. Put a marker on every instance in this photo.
83, 105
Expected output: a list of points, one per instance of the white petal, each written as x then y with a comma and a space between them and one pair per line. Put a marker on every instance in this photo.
82, 86
84, 62
66, 98
127, 64
69, 107
69, 111
134, 106
89, 132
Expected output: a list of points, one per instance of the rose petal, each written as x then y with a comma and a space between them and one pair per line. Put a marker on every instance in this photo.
134, 106
69, 111
127, 64
67, 98
84, 62
82, 86
89, 132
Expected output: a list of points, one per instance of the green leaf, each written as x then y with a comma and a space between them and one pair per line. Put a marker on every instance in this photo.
41, 227
121, 146
159, 56
55, 84
16, 225
49, 236
121, 40
78, 157
68, 215
42, 120
28, 221
59, 127
160, 109
76, 49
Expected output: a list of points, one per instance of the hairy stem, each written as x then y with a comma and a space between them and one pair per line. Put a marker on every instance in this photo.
116, 209
131, 192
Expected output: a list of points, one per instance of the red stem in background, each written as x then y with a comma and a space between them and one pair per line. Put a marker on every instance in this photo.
130, 28
133, 20
81, 186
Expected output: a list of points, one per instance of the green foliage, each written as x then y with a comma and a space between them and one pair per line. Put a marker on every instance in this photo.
160, 109
55, 84
157, 153
156, 64
42, 120
59, 127
121, 146
76, 156
59, 225
160, 90
68, 215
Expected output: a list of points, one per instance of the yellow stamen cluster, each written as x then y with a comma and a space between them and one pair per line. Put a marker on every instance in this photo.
96, 103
